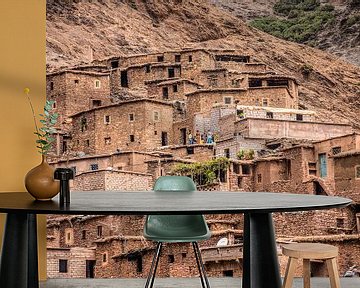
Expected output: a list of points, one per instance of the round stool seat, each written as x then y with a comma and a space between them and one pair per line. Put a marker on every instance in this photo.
310, 250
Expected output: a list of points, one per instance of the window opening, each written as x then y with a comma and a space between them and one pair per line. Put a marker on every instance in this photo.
177, 58
259, 178
132, 138
114, 64
156, 115
64, 147
171, 72
228, 100
227, 152
97, 83
51, 85
236, 168
96, 103
277, 83
147, 69
269, 115
175, 88
245, 169
131, 117
340, 222
165, 93
228, 273
63, 266
190, 58
107, 119
299, 117
99, 231
255, 82
83, 124
94, 167
83, 234
357, 172
171, 258
160, 58
336, 150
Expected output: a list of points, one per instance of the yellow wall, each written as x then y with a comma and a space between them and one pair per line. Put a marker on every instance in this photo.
22, 64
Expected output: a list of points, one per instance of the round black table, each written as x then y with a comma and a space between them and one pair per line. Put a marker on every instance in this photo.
18, 266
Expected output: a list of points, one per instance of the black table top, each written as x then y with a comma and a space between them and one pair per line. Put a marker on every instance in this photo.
150, 202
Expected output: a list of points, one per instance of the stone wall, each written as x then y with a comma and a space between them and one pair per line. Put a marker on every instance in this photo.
112, 180
76, 262
347, 177
270, 129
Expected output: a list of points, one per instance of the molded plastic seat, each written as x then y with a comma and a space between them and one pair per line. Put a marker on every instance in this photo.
176, 228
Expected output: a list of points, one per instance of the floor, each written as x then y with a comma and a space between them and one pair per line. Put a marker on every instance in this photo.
181, 282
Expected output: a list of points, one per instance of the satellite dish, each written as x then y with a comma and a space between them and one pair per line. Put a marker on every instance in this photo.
222, 242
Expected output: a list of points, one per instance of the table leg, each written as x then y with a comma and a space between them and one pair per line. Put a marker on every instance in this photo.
260, 259
19, 261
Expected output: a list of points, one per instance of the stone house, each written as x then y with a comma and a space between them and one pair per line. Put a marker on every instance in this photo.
140, 124
327, 149
347, 176
77, 90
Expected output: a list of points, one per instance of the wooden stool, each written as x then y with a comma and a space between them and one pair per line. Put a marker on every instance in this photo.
307, 251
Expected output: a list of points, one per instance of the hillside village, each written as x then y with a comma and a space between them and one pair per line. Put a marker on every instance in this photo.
218, 116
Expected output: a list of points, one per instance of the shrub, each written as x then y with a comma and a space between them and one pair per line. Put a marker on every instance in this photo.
305, 18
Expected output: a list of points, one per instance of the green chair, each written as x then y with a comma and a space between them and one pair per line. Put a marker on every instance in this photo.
176, 228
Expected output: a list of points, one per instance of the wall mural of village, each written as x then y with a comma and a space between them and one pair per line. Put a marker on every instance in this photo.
217, 115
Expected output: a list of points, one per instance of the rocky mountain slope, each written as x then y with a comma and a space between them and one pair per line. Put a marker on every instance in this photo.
340, 37
81, 31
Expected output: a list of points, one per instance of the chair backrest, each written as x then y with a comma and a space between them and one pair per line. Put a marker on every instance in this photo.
184, 223
174, 183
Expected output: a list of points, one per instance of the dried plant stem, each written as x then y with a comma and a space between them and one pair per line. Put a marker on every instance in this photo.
34, 117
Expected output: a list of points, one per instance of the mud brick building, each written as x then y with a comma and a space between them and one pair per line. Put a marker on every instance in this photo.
126, 121
141, 124
77, 90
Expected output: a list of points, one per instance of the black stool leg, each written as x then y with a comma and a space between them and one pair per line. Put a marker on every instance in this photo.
201, 266
154, 264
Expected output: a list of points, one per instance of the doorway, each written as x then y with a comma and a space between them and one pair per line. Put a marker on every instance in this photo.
90, 268
183, 136
323, 165
164, 139
124, 79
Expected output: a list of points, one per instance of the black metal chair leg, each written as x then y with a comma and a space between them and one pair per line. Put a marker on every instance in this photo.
202, 265
198, 264
154, 264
